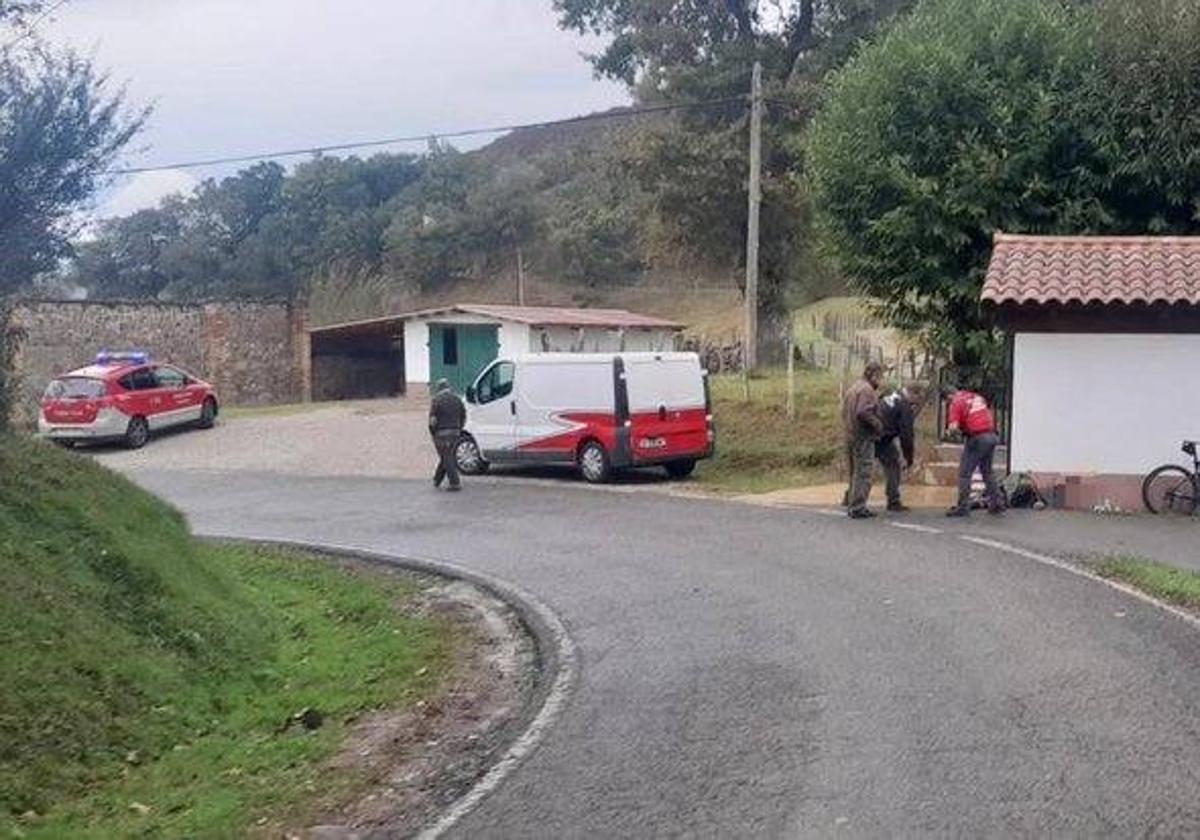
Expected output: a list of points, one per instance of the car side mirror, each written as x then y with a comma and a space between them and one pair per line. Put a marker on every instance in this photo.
471, 393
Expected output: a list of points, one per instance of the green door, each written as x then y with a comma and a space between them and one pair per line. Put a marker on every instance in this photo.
458, 352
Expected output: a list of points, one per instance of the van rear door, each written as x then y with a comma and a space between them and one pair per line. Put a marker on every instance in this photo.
667, 407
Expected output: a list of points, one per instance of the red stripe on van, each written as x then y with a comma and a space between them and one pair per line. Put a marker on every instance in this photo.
682, 433
599, 426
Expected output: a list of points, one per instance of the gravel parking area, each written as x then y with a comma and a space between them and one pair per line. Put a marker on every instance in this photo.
379, 439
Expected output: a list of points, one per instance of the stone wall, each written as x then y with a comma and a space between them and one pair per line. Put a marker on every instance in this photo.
254, 353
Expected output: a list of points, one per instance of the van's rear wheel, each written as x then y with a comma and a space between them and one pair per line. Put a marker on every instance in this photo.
594, 463
680, 469
470, 460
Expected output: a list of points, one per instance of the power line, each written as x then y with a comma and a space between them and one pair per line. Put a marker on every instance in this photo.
416, 138
32, 26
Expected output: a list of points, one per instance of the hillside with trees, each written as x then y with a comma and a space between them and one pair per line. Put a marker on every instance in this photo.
899, 136
593, 205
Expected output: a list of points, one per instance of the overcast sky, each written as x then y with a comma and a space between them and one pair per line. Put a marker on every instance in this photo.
245, 76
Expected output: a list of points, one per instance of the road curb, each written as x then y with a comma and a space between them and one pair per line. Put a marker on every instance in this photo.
557, 658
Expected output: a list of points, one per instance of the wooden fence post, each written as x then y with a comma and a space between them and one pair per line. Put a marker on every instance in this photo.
791, 377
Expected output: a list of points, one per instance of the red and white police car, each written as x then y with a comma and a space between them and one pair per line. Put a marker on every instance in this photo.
123, 397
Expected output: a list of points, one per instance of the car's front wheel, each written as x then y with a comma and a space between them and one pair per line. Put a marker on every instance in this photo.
208, 414
470, 460
137, 433
594, 463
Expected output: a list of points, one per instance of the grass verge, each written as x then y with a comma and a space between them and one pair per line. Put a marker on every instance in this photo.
148, 681
760, 448
1171, 584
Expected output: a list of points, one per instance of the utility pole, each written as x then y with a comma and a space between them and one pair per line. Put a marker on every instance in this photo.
520, 277
750, 357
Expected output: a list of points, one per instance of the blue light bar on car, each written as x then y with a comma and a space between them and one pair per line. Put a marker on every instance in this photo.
122, 357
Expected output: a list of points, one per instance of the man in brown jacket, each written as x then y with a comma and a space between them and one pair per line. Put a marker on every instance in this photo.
864, 426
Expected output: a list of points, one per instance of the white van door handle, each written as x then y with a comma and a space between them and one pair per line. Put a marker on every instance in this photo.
512, 407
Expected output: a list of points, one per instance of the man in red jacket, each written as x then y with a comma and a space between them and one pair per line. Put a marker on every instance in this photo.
970, 414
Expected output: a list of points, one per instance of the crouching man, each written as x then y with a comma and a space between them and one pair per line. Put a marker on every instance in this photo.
971, 416
898, 411
447, 416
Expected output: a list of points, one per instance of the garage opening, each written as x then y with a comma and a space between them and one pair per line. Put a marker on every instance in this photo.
358, 361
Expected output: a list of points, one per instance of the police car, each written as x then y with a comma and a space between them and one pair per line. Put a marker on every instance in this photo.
124, 396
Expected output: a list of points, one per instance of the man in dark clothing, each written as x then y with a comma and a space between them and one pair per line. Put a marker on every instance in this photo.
898, 411
860, 416
447, 416
971, 416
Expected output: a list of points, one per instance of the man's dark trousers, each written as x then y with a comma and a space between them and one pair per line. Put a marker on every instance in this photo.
887, 451
445, 443
978, 452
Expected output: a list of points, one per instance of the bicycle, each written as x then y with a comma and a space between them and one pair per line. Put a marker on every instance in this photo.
1172, 488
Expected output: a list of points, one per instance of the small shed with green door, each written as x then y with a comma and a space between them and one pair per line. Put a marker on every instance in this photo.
404, 353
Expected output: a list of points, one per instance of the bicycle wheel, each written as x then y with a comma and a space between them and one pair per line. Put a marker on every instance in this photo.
1170, 489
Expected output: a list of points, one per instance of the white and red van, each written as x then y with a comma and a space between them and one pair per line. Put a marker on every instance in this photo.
599, 411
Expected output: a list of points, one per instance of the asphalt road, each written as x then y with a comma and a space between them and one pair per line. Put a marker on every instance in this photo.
747, 671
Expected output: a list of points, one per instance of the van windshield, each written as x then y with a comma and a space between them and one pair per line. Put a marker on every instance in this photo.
75, 388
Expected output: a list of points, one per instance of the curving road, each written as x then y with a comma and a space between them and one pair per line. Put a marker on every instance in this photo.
747, 671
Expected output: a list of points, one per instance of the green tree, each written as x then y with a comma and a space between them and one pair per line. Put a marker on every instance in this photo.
1019, 115
955, 125
429, 241
61, 126
694, 164
125, 259
1140, 112
259, 233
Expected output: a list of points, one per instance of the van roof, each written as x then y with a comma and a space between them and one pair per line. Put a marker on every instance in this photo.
603, 358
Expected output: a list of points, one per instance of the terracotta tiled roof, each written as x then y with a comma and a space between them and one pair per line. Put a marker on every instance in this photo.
1094, 269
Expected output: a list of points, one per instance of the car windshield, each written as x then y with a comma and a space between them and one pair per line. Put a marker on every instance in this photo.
75, 388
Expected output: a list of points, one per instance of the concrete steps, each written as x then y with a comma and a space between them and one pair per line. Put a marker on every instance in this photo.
943, 470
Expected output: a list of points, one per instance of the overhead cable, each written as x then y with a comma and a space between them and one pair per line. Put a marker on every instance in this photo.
430, 135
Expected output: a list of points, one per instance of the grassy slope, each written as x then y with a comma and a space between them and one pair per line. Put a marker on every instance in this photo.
141, 668
760, 448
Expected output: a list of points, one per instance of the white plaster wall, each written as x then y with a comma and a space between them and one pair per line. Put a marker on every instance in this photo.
416, 351
1112, 403
514, 339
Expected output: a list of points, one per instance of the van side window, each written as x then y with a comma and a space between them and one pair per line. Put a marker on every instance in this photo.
496, 383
